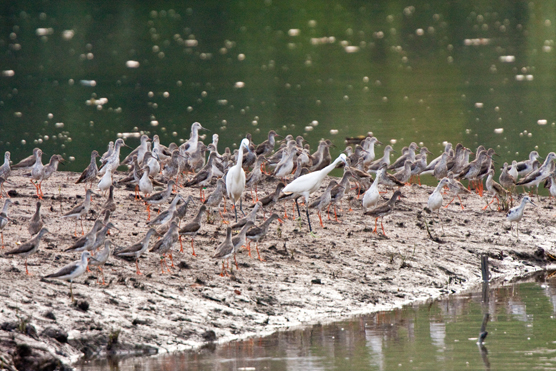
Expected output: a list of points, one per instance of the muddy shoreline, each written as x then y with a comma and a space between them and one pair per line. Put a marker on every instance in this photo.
343, 271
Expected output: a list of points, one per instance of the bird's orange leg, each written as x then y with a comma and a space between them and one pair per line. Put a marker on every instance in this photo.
172, 260
27, 270
259, 255
102, 272
381, 226
235, 260
137, 266
248, 247
461, 203
320, 219
336, 215
328, 211
376, 225
193, 248
148, 212
181, 244
448, 204
223, 220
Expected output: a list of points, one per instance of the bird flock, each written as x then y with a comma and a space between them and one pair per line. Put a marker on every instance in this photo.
298, 174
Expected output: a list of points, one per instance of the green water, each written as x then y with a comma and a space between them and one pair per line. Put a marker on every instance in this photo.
407, 71
436, 336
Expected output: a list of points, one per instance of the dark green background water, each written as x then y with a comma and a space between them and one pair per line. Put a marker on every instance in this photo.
421, 71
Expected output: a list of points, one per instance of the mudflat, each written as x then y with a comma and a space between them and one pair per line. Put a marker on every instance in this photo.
343, 270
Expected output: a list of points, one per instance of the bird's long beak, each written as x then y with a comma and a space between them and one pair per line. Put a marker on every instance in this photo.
532, 203
378, 142
203, 128
429, 152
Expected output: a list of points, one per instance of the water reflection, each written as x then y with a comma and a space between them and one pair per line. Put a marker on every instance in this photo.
435, 336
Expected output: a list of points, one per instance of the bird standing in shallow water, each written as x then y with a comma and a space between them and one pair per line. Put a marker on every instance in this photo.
516, 213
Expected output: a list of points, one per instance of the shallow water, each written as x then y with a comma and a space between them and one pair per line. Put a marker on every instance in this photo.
436, 336
73, 75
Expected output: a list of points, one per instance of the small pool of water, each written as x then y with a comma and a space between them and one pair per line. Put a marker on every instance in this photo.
442, 335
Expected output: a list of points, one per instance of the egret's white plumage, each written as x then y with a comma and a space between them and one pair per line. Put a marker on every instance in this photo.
235, 177
309, 183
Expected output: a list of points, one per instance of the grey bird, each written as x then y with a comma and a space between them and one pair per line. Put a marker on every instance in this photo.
137, 249
73, 270
101, 258
258, 233
86, 242
225, 250
35, 223
239, 240
29, 247
80, 210
4, 218
191, 229
165, 244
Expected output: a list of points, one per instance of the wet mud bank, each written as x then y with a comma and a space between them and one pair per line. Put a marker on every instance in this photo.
343, 270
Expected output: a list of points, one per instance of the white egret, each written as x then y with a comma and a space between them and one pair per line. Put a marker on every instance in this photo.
309, 183
235, 178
